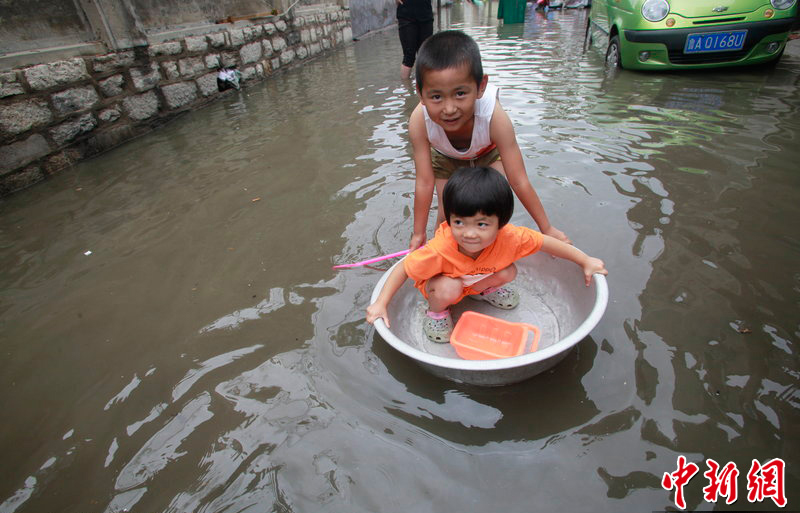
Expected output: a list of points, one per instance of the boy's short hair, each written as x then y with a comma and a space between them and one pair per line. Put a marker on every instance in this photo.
478, 189
448, 49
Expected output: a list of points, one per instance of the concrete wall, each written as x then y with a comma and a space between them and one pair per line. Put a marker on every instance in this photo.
44, 30
23, 25
157, 15
59, 112
371, 15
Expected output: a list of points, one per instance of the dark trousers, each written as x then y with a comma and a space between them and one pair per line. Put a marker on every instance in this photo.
412, 34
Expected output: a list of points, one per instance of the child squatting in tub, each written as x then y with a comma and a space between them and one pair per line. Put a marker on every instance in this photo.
472, 253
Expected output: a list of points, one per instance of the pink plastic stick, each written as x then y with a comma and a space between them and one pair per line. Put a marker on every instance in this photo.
373, 260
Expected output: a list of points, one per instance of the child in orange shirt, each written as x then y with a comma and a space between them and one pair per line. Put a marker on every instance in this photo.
473, 253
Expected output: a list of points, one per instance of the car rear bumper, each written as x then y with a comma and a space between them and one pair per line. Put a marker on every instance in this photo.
675, 39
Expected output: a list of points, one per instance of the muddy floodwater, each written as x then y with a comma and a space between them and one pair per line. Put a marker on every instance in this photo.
174, 339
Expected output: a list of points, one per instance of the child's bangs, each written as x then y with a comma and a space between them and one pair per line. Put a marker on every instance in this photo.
478, 190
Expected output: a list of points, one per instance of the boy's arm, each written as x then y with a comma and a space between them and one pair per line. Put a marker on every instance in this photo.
378, 309
424, 181
561, 249
502, 134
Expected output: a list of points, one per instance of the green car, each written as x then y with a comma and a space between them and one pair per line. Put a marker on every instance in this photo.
687, 34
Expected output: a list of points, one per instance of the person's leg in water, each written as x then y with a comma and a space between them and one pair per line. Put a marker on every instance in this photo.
408, 41
412, 35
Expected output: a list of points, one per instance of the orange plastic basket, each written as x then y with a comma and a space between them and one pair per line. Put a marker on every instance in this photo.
482, 337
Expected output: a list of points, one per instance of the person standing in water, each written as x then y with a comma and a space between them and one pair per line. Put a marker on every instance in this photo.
415, 24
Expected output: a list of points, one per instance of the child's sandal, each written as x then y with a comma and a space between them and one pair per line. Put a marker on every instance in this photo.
506, 298
438, 326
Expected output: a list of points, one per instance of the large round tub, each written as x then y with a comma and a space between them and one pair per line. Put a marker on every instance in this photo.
553, 297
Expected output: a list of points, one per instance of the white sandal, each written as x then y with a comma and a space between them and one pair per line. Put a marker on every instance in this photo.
438, 326
506, 298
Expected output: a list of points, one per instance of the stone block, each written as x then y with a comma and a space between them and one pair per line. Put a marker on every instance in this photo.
113, 61
59, 73
18, 181
326, 44
268, 29
61, 160
109, 115
168, 48
212, 61
208, 84
171, 70
109, 137
191, 67
216, 40
299, 21
280, 25
75, 100
196, 43
301, 52
249, 73
180, 94
287, 56
69, 130
16, 118
252, 33
275, 63
278, 44
267, 47
237, 37
250, 53
19, 154
9, 84
229, 59
145, 79
292, 38
141, 107
112, 86
305, 36
347, 34
314, 49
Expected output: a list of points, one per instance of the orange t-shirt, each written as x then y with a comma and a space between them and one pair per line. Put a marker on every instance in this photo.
441, 256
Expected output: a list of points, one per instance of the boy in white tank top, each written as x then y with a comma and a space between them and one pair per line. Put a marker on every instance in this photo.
458, 123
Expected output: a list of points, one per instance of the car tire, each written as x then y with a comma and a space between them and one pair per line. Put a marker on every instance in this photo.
613, 57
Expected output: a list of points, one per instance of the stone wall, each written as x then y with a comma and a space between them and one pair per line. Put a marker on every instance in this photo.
58, 113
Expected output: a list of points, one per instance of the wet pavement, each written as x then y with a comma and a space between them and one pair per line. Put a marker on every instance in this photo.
175, 339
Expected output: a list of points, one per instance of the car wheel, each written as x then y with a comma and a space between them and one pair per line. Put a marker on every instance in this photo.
613, 59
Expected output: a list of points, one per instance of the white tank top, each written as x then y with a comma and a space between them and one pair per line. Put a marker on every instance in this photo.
484, 107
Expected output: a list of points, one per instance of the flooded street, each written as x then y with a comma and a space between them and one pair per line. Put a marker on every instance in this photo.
174, 338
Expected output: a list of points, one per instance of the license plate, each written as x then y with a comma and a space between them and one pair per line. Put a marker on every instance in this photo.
715, 41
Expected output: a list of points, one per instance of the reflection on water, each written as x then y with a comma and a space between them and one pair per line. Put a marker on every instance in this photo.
175, 339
